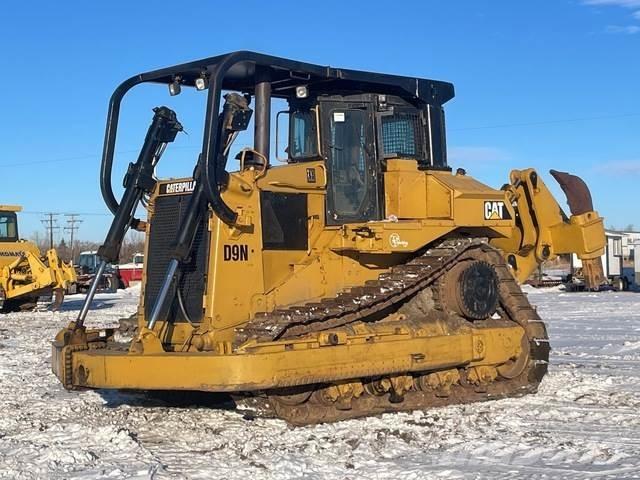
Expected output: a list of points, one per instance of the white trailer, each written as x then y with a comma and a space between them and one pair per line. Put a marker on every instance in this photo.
636, 264
611, 263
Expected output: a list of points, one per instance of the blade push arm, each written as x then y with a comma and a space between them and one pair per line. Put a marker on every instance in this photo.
542, 229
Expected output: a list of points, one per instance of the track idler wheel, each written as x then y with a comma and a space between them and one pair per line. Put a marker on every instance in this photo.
470, 289
291, 396
516, 366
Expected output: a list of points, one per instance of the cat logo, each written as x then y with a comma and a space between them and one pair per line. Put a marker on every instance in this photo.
184, 187
495, 211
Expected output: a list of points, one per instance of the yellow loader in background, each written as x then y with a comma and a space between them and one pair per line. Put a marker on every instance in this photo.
361, 276
25, 274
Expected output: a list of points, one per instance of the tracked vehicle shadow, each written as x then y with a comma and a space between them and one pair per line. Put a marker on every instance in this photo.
162, 398
75, 305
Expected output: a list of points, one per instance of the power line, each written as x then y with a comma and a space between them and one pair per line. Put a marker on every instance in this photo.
84, 157
482, 127
71, 228
50, 224
33, 212
546, 122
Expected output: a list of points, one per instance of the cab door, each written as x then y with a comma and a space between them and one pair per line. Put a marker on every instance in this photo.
353, 190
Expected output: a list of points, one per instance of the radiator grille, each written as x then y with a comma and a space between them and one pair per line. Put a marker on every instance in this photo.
168, 212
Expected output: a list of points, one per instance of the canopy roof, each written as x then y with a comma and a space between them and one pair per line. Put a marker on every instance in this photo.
243, 67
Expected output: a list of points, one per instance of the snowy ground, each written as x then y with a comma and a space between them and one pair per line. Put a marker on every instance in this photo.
584, 423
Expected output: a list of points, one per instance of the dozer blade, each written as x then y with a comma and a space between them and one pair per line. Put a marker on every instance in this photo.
580, 202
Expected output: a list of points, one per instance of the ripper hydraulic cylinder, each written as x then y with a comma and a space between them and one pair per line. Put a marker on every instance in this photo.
138, 181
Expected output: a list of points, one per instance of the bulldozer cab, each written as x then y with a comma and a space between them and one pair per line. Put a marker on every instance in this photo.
8, 227
8, 223
88, 262
355, 135
353, 121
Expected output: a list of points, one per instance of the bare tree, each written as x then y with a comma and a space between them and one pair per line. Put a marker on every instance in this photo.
40, 241
132, 244
64, 252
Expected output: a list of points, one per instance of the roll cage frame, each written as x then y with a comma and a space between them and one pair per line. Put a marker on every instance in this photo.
261, 76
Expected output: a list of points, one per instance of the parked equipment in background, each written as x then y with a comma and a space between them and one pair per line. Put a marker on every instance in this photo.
131, 273
636, 264
542, 279
359, 277
616, 275
25, 274
86, 270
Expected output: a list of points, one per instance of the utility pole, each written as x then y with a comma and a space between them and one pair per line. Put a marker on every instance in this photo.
71, 228
50, 224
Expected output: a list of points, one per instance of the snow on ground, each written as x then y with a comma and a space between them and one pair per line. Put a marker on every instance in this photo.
584, 422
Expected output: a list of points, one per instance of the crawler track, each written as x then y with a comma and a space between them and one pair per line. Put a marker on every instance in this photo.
375, 300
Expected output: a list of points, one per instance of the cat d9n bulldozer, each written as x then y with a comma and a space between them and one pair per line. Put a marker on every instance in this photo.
25, 275
361, 276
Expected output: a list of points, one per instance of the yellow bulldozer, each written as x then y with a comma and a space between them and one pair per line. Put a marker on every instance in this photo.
362, 275
25, 275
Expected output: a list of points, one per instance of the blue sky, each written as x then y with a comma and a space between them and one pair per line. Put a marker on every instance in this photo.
544, 84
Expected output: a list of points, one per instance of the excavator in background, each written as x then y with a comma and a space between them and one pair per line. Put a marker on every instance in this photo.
361, 276
26, 275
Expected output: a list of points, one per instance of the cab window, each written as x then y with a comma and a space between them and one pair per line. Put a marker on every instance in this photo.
348, 166
403, 136
8, 227
352, 168
303, 135
88, 261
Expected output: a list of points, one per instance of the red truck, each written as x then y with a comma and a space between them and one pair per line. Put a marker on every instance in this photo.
131, 273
